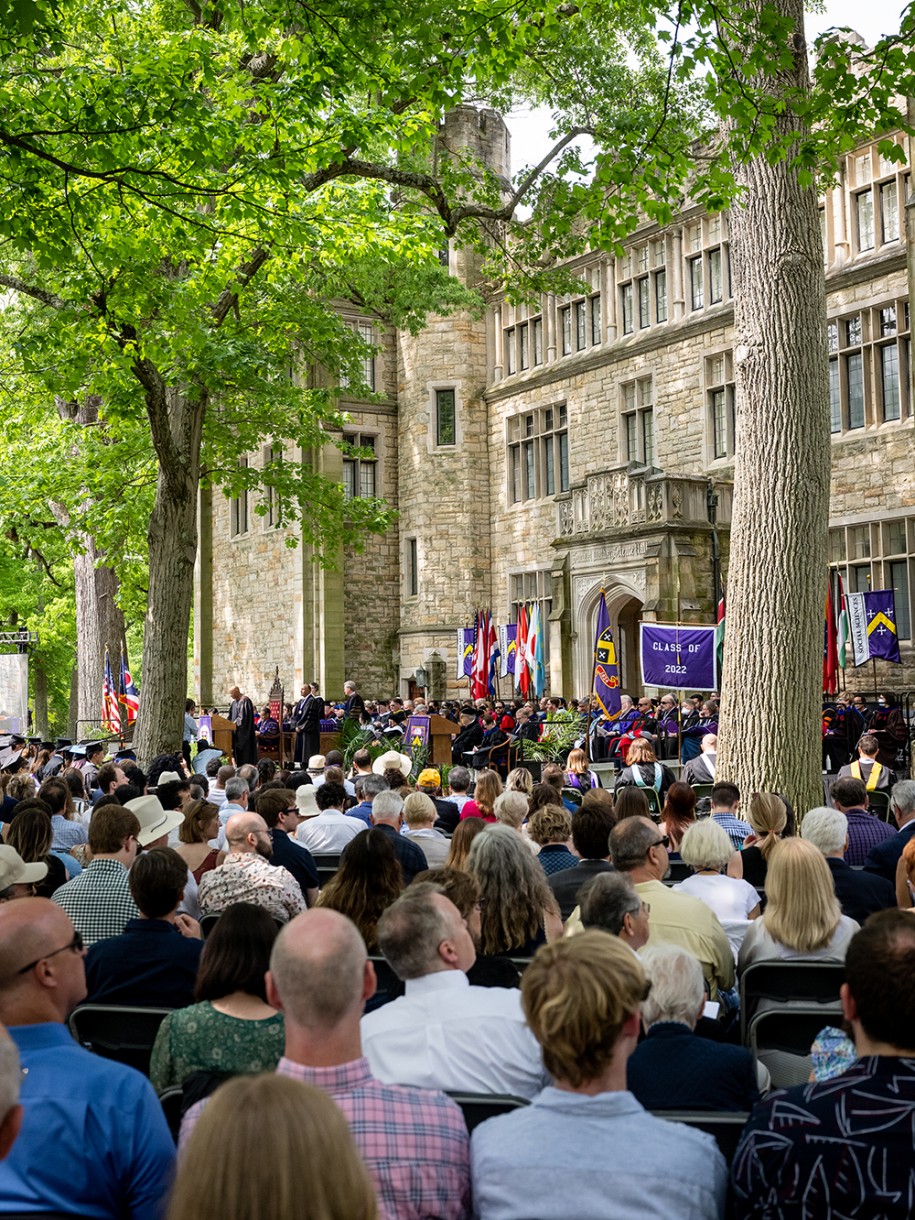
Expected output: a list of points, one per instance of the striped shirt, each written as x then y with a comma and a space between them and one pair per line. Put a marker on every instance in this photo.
413, 1141
98, 901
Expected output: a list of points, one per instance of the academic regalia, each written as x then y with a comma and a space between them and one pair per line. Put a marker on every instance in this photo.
888, 726
308, 725
693, 734
468, 739
244, 741
354, 708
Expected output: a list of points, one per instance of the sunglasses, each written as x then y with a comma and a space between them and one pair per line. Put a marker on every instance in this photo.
664, 841
76, 944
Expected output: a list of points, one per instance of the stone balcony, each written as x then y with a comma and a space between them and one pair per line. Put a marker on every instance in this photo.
631, 497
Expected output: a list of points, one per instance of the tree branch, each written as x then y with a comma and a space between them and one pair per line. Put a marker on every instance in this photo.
32, 290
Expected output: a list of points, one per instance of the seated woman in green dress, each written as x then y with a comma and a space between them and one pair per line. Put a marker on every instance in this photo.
231, 1028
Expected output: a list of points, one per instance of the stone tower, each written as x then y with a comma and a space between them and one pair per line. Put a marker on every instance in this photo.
443, 444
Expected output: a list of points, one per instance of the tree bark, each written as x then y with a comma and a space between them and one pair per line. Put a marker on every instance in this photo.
99, 618
176, 419
770, 723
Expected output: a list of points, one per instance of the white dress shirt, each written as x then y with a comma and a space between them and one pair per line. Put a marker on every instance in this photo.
445, 1034
330, 831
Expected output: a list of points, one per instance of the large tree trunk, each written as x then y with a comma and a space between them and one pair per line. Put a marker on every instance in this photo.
177, 421
770, 726
99, 618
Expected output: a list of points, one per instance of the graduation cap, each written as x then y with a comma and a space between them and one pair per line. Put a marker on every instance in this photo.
126, 753
63, 744
34, 741
77, 751
90, 747
47, 745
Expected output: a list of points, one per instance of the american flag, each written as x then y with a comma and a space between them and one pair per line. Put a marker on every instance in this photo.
111, 712
128, 695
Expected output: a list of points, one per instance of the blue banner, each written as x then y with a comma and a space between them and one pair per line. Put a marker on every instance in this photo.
677, 657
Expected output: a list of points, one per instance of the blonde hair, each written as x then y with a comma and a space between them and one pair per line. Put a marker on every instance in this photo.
577, 762
641, 751
511, 809
488, 787
803, 911
300, 1137
577, 994
520, 780
418, 809
706, 845
768, 817
550, 824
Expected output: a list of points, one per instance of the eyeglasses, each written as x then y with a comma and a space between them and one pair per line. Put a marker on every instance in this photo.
294, 809
664, 841
644, 908
76, 944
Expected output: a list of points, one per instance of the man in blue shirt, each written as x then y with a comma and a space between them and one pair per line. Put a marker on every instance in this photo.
94, 1141
584, 1147
153, 963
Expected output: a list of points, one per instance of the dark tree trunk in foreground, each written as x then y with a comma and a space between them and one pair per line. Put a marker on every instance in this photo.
770, 729
176, 420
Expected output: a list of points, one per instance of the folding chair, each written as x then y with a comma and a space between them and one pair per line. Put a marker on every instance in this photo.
783, 984
878, 803
677, 872
172, 1101
116, 1031
208, 923
327, 866
702, 790
780, 1039
573, 795
725, 1125
477, 1107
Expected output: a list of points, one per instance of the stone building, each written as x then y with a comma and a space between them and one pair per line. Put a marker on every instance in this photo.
542, 452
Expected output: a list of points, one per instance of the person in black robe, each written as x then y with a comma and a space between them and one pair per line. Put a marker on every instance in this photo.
309, 724
244, 739
470, 736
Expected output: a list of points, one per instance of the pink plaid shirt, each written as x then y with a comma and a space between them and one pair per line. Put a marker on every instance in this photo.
413, 1141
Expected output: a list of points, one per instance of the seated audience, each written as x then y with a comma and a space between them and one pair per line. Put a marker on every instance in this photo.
201, 823
230, 1027
69, 832
368, 880
247, 874
387, 817
461, 842
488, 970
707, 850
578, 773
591, 828
278, 808
610, 902
153, 963
884, 857
873, 774
865, 830
845, 1147
483, 802
585, 1147
519, 912
511, 809
447, 813
643, 770
550, 827
413, 1141
367, 788
638, 849
445, 1033
458, 789
301, 1137
520, 780
860, 894
419, 814
17, 878
768, 822
31, 835
630, 802
803, 918
725, 803
330, 829
673, 1069
94, 1140
678, 814
553, 776
99, 901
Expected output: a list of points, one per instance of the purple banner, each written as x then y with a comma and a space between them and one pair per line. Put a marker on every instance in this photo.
464, 652
416, 734
677, 657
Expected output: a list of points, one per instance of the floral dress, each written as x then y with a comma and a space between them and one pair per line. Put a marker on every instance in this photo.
200, 1039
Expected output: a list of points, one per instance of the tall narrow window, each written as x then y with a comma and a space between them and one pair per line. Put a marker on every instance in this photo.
581, 325
565, 319
445, 429
238, 507
510, 361
889, 212
273, 456
538, 453
595, 318
696, 295
719, 388
660, 295
626, 302
715, 288
638, 421
524, 357
411, 563
359, 472
864, 214
644, 311
537, 340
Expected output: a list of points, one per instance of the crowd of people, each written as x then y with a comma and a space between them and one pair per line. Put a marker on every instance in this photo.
346, 946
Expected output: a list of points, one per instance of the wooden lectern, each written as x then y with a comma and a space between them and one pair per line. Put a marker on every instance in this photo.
222, 734
441, 732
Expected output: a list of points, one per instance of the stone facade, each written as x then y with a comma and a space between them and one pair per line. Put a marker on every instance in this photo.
547, 450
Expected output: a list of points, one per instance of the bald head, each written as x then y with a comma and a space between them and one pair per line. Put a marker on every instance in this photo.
247, 832
318, 969
36, 930
235, 692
